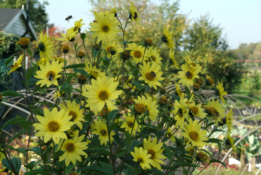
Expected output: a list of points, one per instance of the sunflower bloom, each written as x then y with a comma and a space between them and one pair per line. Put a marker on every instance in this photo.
133, 14
188, 74
137, 52
167, 38
143, 104
45, 46
155, 150
151, 74
197, 111
194, 134
93, 71
153, 55
215, 110
113, 49
73, 150
220, 91
53, 125
49, 73
102, 91
74, 111
104, 27
16, 64
142, 157
180, 111
100, 129
130, 124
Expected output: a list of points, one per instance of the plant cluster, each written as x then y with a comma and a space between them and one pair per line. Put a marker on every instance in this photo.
113, 121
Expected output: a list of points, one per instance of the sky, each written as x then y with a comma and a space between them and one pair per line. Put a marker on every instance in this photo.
239, 19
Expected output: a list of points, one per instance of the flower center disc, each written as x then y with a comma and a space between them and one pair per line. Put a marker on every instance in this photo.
152, 153
103, 95
41, 46
53, 126
140, 108
164, 39
140, 160
180, 113
69, 147
194, 109
193, 135
153, 58
105, 28
137, 54
150, 76
189, 75
73, 114
130, 124
50, 75
103, 132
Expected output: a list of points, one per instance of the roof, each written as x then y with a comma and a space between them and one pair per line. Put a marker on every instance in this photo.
6, 16
9, 16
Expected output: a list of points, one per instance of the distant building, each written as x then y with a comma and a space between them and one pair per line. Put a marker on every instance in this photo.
14, 21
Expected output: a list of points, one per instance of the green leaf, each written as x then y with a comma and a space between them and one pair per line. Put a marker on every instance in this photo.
107, 167
213, 140
36, 149
25, 124
83, 35
9, 60
16, 164
138, 85
112, 115
95, 168
167, 152
11, 93
30, 72
37, 171
29, 51
75, 66
218, 161
69, 168
30, 165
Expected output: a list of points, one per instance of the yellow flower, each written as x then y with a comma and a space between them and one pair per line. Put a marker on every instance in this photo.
53, 125
129, 124
93, 71
142, 104
104, 27
220, 91
198, 111
49, 73
229, 120
102, 91
194, 134
155, 150
172, 56
167, 38
100, 128
74, 111
77, 25
42, 61
68, 37
133, 14
137, 52
202, 157
188, 74
178, 90
73, 150
142, 157
231, 141
215, 110
24, 42
45, 46
180, 111
170, 133
151, 74
16, 64
113, 49
152, 54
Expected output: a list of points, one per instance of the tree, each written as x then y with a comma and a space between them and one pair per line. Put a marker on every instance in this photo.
37, 12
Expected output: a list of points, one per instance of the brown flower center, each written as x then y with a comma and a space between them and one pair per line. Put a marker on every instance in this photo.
137, 54
53, 126
153, 58
140, 160
69, 147
103, 132
105, 28
140, 108
194, 109
180, 113
103, 95
150, 76
73, 114
194, 135
130, 124
212, 111
152, 153
50, 75
189, 75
